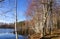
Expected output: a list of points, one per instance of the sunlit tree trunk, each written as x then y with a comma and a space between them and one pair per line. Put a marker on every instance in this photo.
41, 12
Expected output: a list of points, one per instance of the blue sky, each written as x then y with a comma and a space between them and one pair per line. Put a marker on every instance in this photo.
8, 17
8, 5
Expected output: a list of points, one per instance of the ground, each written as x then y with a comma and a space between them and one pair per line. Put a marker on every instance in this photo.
54, 35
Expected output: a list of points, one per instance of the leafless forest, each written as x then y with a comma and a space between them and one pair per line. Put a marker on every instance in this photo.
44, 18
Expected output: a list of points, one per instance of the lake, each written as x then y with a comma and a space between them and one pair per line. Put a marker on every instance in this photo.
7, 34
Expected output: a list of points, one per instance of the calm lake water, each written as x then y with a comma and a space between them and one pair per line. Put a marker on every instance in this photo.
6, 34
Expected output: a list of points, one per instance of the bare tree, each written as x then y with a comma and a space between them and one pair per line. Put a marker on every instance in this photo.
44, 15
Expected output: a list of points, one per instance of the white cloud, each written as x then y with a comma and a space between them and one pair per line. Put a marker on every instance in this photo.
2, 20
5, 21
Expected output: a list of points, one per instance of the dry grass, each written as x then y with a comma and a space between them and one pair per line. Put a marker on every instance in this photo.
55, 35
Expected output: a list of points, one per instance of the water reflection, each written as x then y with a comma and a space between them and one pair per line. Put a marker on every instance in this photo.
6, 30
6, 34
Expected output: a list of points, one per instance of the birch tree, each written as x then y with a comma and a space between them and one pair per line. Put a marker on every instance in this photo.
43, 15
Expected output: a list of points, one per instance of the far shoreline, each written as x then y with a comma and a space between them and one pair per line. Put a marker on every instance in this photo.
5, 28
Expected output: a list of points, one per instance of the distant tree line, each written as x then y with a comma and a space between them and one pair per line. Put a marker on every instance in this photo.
6, 26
